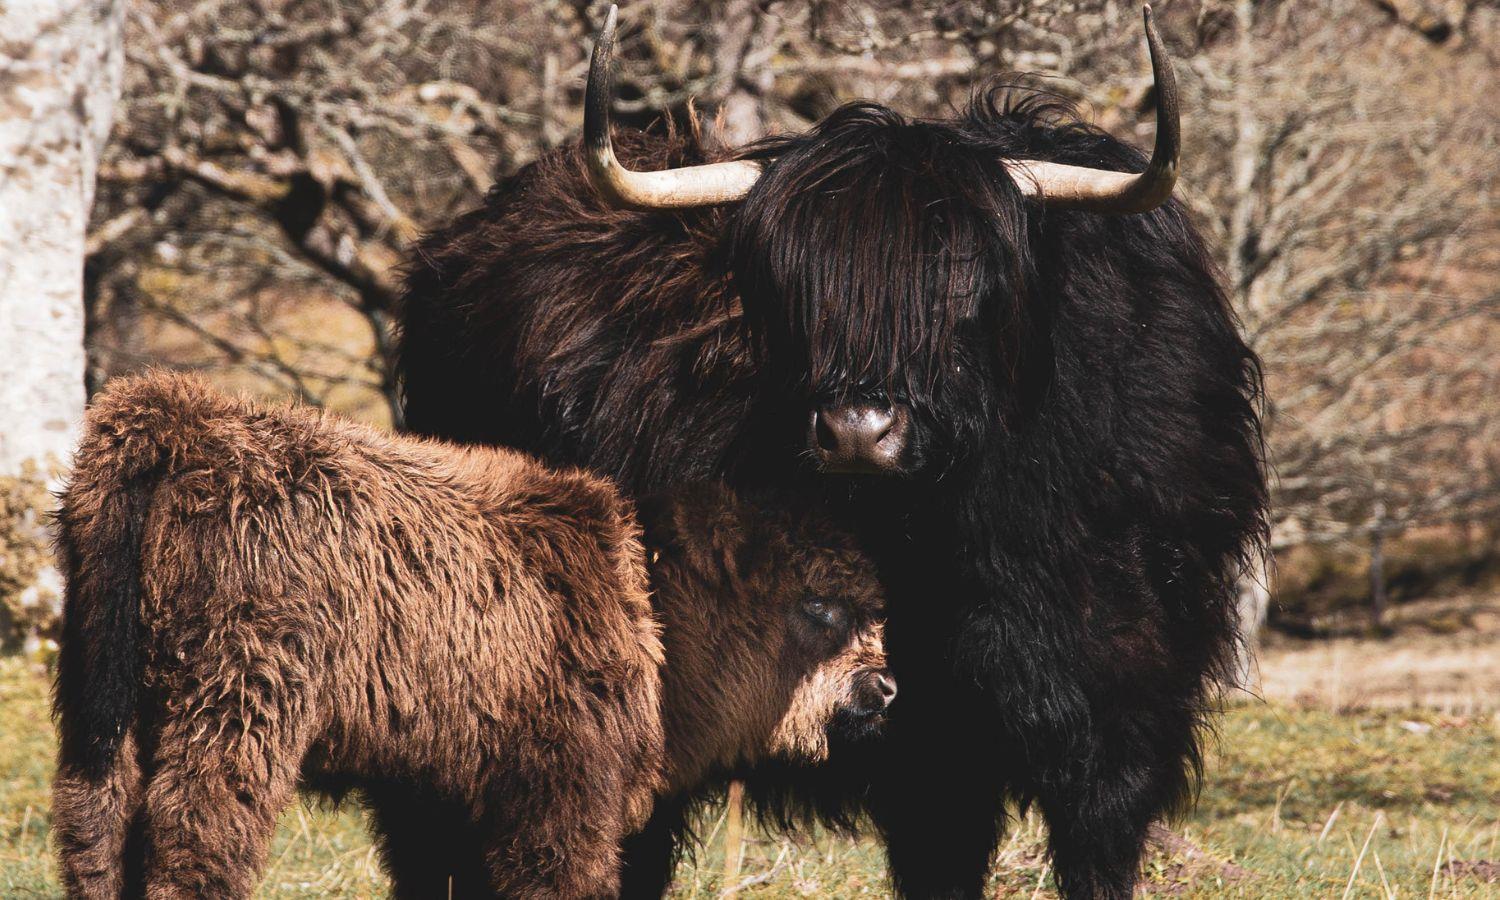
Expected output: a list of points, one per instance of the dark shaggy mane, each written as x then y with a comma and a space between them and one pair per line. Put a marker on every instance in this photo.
1063, 578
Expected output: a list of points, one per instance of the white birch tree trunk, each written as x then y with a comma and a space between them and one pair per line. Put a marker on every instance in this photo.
60, 70
1254, 590
61, 63
1254, 604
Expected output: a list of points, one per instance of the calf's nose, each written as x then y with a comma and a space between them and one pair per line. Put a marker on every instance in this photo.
876, 690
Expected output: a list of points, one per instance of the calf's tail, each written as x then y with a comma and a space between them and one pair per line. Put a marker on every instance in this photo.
98, 667
137, 431
97, 790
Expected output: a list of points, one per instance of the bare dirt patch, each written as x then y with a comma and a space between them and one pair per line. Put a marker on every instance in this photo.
1485, 870
1177, 865
1442, 655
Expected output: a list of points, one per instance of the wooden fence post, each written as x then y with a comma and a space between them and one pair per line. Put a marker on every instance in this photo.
734, 835
1378, 597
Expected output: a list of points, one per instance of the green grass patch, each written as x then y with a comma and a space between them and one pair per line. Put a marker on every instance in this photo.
1298, 803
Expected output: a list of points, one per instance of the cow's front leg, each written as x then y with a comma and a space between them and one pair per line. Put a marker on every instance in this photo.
1133, 768
937, 794
940, 833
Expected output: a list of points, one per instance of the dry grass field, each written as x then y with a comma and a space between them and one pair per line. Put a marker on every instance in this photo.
1365, 769
1443, 655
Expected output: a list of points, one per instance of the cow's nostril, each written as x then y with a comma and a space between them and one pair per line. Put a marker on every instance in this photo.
853, 430
886, 685
859, 437
827, 437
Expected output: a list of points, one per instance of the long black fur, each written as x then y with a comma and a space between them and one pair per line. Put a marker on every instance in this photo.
98, 668
1085, 485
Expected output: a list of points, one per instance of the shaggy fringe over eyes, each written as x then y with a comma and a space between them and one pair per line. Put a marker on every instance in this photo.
866, 246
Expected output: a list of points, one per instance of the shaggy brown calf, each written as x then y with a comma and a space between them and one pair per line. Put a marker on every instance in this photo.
261, 599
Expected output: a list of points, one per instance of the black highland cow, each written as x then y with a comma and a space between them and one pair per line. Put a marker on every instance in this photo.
1007, 365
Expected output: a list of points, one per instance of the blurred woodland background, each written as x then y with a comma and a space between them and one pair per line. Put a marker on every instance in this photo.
271, 160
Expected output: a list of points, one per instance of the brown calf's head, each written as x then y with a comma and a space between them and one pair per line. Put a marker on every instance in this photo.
771, 621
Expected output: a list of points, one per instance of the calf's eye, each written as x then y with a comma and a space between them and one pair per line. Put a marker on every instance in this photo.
821, 611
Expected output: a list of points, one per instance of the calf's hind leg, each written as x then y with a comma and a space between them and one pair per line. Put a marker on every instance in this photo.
222, 770
92, 818
554, 826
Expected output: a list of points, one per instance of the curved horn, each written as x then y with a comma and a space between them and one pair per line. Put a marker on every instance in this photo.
668, 189
1100, 190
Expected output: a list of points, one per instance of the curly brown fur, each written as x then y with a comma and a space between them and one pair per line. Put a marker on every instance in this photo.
261, 599
771, 623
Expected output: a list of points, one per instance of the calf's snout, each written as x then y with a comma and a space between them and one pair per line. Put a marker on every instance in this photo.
874, 690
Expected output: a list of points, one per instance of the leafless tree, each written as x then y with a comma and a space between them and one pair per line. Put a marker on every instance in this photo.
278, 156
1352, 191
59, 76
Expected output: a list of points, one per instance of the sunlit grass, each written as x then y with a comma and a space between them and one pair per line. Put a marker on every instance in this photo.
317, 852
1299, 803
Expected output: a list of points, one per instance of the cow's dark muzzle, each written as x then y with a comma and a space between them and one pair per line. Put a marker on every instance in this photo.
859, 438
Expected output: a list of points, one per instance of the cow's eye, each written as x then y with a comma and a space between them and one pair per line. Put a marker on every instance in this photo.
822, 611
